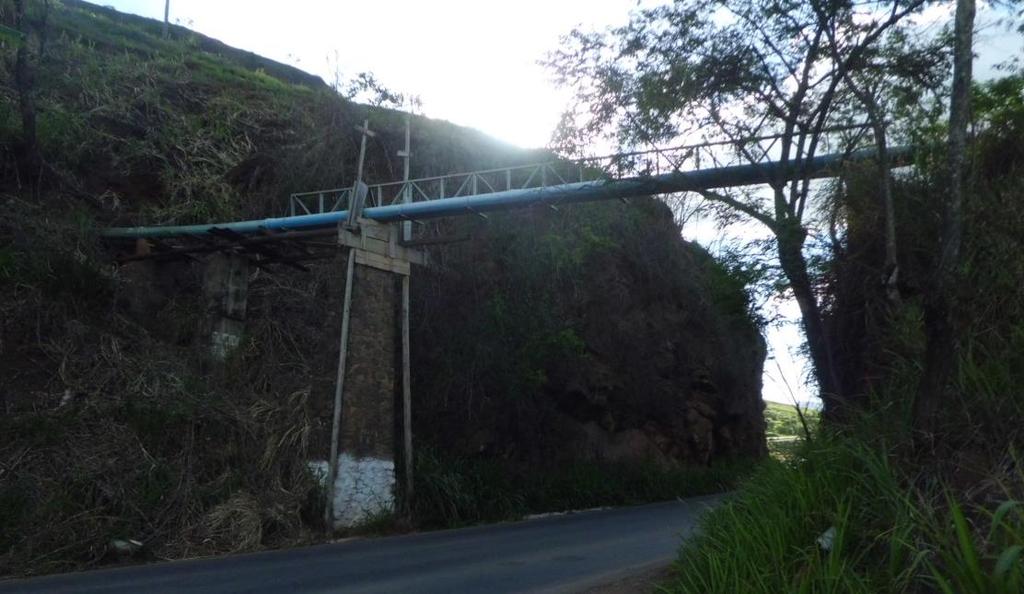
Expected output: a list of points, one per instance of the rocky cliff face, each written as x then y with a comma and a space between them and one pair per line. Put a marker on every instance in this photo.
593, 333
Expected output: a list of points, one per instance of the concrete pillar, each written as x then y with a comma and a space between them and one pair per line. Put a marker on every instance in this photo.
226, 290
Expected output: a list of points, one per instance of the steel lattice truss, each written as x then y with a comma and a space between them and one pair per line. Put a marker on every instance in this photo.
489, 181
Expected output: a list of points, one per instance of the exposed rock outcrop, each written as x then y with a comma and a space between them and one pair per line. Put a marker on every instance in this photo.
595, 334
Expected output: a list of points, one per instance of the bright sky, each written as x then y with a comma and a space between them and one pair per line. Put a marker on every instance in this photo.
474, 62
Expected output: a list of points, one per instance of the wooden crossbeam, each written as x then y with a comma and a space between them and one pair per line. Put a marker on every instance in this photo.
171, 252
262, 249
436, 240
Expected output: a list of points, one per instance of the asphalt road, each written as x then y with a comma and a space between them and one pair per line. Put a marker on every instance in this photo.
563, 553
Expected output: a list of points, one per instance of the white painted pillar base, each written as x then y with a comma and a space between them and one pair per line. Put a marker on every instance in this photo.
364, 488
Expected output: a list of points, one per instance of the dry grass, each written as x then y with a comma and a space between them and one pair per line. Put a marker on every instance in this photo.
114, 426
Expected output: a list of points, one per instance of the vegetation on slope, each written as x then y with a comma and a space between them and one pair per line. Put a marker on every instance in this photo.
788, 428
592, 334
453, 491
115, 427
840, 518
942, 517
185, 130
783, 420
909, 285
579, 358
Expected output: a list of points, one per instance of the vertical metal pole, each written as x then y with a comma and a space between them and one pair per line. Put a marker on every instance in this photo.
508, 179
339, 384
406, 395
167, 14
407, 190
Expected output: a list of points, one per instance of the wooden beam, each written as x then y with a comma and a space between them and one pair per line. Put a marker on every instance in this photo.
380, 262
436, 240
406, 397
176, 252
339, 389
257, 248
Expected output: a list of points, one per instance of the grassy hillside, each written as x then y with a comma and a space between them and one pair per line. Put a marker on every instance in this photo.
117, 31
187, 129
784, 429
116, 427
784, 421
113, 425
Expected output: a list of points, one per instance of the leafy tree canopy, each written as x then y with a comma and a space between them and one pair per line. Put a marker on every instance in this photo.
781, 80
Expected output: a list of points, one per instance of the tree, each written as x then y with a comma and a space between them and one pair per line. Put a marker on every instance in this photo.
940, 304
365, 87
893, 78
768, 76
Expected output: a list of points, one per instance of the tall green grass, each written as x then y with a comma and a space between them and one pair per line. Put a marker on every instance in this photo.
459, 491
889, 536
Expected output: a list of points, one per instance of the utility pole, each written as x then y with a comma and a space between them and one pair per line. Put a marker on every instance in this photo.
406, 373
406, 190
355, 207
359, 189
167, 14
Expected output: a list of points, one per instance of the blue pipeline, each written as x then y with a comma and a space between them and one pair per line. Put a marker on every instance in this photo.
680, 181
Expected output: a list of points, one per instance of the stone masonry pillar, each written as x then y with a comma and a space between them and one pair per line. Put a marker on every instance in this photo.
371, 439
226, 291
365, 483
